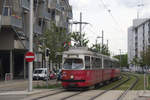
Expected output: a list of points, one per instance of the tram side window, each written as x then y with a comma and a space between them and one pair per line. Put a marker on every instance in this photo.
113, 64
116, 65
106, 64
87, 62
110, 64
98, 63
93, 63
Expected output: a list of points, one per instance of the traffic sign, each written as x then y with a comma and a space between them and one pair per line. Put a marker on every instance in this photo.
29, 56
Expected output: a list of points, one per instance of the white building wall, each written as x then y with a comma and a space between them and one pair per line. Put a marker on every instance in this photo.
142, 38
131, 47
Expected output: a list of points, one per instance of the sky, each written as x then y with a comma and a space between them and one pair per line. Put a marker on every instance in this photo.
112, 16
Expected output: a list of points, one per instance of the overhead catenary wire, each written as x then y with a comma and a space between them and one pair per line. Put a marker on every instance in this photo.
110, 13
119, 29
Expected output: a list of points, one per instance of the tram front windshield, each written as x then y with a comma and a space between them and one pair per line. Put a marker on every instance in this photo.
73, 64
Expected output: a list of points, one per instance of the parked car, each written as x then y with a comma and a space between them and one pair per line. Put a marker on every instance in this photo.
52, 75
40, 74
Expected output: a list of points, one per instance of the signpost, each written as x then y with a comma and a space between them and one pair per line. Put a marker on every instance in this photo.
30, 44
29, 56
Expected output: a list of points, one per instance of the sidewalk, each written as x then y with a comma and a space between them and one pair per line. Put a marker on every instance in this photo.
145, 93
25, 92
21, 85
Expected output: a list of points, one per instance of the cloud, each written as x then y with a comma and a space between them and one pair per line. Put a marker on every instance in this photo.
94, 12
133, 3
128, 3
77, 5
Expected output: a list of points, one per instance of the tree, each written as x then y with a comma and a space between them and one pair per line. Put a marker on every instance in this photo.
103, 50
55, 39
134, 61
124, 60
79, 40
145, 55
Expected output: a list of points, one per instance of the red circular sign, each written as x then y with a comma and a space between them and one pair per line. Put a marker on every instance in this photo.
29, 56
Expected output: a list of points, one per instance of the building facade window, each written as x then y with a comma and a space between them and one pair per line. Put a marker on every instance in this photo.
7, 11
40, 22
149, 26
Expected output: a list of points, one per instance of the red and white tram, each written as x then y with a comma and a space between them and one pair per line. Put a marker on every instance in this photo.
84, 68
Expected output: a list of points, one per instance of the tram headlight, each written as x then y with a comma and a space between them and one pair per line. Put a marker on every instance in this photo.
71, 77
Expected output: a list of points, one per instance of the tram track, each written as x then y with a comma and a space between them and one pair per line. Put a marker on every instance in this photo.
130, 88
65, 98
114, 87
72, 95
51, 94
97, 95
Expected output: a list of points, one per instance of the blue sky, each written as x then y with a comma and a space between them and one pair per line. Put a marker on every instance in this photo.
114, 23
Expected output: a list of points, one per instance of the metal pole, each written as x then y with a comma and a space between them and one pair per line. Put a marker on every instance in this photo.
107, 47
11, 63
102, 40
144, 82
107, 43
80, 29
24, 64
120, 58
30, 44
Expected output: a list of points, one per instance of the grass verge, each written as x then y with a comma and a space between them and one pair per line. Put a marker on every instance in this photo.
48, 87
127, 84
148, 77
113, 83
138, 86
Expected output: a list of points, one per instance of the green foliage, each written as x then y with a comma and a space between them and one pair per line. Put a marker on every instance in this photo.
143, 61
79, 40
135, 61
146, 56
48, 87
124, 60
54, 39
103, 50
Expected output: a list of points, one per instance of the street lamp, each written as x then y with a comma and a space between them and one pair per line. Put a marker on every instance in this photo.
120, 58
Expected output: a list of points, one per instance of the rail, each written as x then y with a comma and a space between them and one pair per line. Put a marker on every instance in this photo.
116, 86
127, 90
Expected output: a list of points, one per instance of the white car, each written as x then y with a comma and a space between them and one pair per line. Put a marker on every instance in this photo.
40, 74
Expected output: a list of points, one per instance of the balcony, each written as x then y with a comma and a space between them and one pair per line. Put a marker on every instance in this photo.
18, 44
14, 21
25, 4
70, 15
44, 14
57, 7
54, 5
37, 29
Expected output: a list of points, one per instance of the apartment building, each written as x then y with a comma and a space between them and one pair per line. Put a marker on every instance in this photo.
138, 39
14, 30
